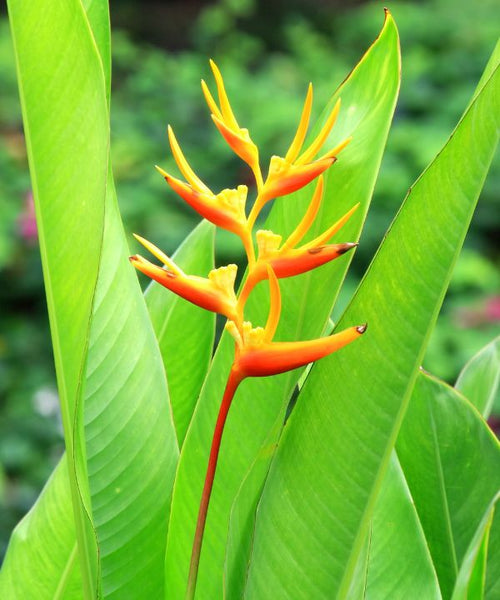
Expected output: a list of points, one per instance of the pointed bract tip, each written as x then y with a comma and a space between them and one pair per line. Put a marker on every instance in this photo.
343, 248
362, 328
162, 172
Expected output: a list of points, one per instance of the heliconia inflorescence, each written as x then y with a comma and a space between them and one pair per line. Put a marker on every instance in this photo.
256, 354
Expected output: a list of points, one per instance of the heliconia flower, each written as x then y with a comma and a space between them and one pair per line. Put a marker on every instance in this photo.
287, 261
237, 137
288, 174
215, 293
258, 356
226, 209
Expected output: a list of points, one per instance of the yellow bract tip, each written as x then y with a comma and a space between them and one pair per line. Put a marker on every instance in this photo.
161, 256
314, 148
162, 172
306, 222
338, 148
225, 107
300, 135
183, 164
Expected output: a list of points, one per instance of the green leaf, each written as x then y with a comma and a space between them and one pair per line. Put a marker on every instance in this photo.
42, 558
399, 564
184, 331
131, 445
242, 517
480, 378
318, 500
98, 17
66, 125
471, 578
129, 452
258, 411
451, 461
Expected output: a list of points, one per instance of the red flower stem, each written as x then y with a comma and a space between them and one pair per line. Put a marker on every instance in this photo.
233, 381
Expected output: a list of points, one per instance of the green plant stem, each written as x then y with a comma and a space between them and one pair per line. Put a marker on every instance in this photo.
233, 381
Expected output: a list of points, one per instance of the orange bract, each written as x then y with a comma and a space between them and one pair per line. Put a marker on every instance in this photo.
256, 352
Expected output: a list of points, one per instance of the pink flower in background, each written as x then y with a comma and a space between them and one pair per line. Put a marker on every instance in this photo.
492, 309
487, 311
27, 220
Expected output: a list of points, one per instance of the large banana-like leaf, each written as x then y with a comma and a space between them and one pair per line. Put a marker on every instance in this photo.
131, 445
130, 441
184, 331
451, 461
66, 123
42, 557
256, 416
447, 450
395, 528
318, 500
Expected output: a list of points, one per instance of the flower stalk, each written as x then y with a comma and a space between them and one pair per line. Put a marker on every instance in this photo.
256, 354
233, 381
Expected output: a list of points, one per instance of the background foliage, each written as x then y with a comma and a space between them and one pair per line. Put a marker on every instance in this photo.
268, 53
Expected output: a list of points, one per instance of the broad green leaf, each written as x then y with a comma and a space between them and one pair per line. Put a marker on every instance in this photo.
184, 331
368, 100
471, 578
319, 496
242, 518
127, 414
399, 563
66, 125
98, 17
480, 378
131, 445
357, 589
42, 558
451, 461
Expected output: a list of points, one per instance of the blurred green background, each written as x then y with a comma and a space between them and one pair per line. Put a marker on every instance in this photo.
268, 52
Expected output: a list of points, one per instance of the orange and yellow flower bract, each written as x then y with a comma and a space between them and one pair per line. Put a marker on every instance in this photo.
274, 259
216, 293
256, 354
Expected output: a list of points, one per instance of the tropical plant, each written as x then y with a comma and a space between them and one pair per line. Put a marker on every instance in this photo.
361, 476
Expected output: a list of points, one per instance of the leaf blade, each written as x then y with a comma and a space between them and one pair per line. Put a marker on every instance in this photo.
41, 559
70, 112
